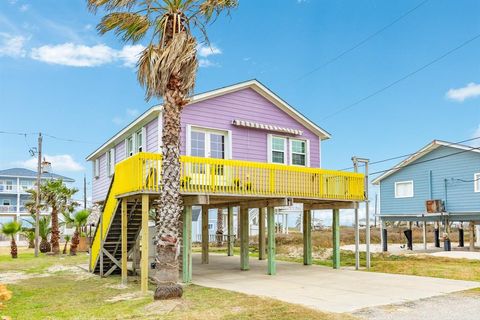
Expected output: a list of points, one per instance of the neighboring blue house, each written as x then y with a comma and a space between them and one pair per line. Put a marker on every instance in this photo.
440, 171
14, 184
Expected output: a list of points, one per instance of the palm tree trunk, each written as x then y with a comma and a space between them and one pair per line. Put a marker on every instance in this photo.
219, 227
74, 243
171, 204
65, 247
55, 237
13, 248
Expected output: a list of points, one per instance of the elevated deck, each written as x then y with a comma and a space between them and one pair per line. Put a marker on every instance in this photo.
214, 183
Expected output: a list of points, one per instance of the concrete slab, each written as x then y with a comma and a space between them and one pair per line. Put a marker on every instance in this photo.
320, 287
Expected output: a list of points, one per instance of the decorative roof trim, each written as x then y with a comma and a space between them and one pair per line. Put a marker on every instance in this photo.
269, 127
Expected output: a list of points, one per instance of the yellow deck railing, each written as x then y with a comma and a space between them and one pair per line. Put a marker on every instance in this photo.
141, 172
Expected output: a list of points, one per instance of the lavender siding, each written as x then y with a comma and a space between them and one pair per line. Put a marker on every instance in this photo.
102, 182
246, 104
152, 136
218, 113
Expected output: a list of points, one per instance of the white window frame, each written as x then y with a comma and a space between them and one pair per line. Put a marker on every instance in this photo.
136, 141
132, 152
110, 161
270, 148
404, 182
207, 131
307, 152
96, 168
476, 182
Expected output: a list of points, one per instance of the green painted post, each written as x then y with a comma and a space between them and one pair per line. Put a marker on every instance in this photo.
307, 237
336, 238
261, 233
187, 245
272, 267
230, 231
244, 254
205, 235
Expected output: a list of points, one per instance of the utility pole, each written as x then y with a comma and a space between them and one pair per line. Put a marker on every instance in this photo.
84, 192
37, 200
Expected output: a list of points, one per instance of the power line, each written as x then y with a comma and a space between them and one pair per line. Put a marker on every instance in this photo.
425, 161
25, 134
409, 154
360, 43
388, 86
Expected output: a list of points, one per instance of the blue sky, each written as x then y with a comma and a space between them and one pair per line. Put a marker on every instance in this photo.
59, 77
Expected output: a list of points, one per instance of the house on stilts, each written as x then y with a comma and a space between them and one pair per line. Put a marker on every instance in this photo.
439, 184
242, 148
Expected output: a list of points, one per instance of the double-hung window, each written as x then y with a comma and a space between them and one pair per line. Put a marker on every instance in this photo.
129, 146
404, 189
96, 168
476, 182
110, 161
139, 140
279, 150
298, 152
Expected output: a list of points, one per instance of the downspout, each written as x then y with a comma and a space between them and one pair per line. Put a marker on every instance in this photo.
430, 184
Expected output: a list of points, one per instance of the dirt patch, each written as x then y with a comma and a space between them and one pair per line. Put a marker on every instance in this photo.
14, 277
78, 273
116, 286
165, 306
126, 296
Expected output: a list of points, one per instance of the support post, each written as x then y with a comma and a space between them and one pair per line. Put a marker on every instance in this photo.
461, 242
425, 234
205, 235
272, 267
101, 245
187, 245
230, 231
124, 242
437, 234
472, 236
145, 242
336, 238
357, 224
261, 233
307, 237
244, 255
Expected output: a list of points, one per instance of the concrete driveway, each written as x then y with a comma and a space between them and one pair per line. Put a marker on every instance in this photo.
320, 287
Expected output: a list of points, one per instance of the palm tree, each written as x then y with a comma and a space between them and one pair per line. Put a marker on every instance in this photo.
44, 231
67, 238
10, 229
166, 69
29, 233
78, 219
54, 194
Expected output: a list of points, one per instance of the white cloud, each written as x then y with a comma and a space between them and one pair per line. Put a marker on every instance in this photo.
117, 120
24, 7
12, 46
472, 90
204, 52
130, 54
70, 54
60, 163
132, 112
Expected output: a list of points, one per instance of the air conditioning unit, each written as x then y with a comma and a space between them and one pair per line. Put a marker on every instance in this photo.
434, 206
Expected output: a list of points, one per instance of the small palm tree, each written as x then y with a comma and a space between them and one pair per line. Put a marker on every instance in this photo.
166, 69
10, 229
67, 239
29, 233
78, 219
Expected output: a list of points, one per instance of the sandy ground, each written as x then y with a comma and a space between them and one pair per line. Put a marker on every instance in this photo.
462, 305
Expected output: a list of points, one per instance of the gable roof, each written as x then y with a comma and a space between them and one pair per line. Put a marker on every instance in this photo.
254, 84
422, 152
26, 173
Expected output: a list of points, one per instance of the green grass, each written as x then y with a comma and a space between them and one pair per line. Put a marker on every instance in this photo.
62, 295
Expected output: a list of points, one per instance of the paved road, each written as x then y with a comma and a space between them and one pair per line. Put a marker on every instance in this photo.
319, 287
461, 306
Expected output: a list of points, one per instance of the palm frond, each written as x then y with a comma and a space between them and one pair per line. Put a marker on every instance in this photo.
212, 8
109, 5
11, 228
129, 26
157, 65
